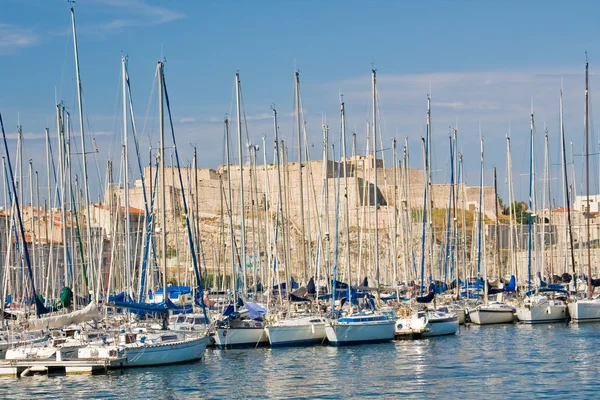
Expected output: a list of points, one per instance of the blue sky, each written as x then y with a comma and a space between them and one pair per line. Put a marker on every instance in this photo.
484, 63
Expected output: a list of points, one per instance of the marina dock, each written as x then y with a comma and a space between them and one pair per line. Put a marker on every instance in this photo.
28, 367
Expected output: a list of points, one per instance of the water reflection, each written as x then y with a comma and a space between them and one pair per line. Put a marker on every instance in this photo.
490, 361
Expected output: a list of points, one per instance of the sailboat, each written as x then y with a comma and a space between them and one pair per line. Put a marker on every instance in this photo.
488, 313
244, 327
585, 310
537, 307
364, 326
431, 322
301, 326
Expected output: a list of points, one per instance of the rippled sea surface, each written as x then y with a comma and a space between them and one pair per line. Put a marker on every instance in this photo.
503, 361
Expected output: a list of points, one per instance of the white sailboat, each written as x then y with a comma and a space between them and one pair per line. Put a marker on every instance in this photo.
584, 310
245, 328
431, 322
492, 313
365, 326
301, 330
539, 308
145, 349
361, 328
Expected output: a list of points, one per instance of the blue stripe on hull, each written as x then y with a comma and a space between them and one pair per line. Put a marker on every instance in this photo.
546, 321
292, 343
585, 319
242, 345
356, 342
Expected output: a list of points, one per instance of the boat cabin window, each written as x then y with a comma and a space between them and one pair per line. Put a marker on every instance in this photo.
166, 338
130, 338
198, 321
181, 319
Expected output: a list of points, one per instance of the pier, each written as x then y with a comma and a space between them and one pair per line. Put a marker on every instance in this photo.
28, 367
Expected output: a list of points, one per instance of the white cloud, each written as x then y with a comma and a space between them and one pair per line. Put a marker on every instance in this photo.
14, 36
187, 120
131, 13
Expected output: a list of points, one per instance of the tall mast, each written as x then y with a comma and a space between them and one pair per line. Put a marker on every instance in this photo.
511, 239
346, 201
241, 161
163, 198
230, 212
62, 185
497, 227
531, 205
566, 193
88, 218
429, 188
128, 264
395, 239
299, 125
278, 150
36, 272
590, 290
481, 235
376, 244
325, 208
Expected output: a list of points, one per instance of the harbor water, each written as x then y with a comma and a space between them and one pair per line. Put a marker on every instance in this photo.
503, 361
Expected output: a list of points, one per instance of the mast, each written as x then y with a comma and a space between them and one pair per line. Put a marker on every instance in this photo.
376, 244
128, 264
531, 206
511, 239
278, 150
230, 212
88, 218
481, 235
395, 241
497, 227
346, 201
302, 228
590, 290
241, 162
36, 272
325, 209
566, 193
163, 198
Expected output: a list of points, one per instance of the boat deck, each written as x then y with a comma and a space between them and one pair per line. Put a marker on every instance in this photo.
28, 367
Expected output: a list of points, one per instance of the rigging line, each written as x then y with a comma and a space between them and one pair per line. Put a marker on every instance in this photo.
150, 101
245, 119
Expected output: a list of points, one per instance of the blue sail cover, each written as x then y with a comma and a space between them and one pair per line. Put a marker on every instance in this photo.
174, 291
119, 297
311, 288
228, 310
255, 310
426, 299
512, 285
159, 308
297, 299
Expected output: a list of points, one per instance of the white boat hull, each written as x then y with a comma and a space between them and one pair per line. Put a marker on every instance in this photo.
151, 355
491, 317
228, 338
447, 324
296, 335
584, 311
543, 313
441, 328
344, 334
461, 315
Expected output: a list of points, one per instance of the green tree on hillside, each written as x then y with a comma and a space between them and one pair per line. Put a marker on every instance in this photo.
521, 211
